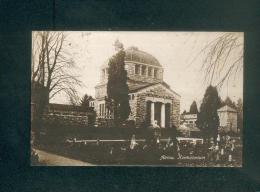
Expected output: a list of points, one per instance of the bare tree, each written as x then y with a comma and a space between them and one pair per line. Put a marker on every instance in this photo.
224, 58
52, 65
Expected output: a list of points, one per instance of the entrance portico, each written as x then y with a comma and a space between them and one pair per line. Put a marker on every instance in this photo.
158, 109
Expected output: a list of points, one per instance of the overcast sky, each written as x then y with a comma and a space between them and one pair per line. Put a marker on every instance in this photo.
176, 51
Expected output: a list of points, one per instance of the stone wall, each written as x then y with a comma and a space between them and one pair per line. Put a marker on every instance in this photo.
176, 112
69, 115
72, 119
232, 121
105, 123
140, 109
132, 103
228, 121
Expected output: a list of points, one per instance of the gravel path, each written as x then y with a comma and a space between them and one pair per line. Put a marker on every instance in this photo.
50, 159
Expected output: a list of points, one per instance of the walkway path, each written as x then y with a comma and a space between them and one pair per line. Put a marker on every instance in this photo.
50, 159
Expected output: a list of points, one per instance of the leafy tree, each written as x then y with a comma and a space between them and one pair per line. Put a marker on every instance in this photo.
208, 120
117, 88
193, 108
85, 101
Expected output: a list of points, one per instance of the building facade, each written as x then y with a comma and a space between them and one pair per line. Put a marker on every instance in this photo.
228, 119
189, 119
151, 99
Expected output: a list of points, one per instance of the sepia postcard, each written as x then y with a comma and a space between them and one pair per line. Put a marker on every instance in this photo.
142, 98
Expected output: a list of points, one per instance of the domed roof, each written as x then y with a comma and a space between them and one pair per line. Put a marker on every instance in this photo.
136, 55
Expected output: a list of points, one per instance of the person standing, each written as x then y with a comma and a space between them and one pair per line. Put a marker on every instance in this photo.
133, 142
222, 155
157, 129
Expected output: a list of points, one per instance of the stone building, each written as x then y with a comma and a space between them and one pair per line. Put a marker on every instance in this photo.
188, 125
151, 99
189, 119
227, 119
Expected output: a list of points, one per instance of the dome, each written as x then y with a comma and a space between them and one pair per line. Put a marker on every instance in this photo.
136, 55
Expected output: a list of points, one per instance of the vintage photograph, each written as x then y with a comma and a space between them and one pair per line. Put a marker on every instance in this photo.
137, 98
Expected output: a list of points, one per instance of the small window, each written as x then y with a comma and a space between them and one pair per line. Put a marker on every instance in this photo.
143, 70
155, 73
137, 69
150, 71
133, 96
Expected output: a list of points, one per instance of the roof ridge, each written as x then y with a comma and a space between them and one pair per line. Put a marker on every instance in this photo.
227, 108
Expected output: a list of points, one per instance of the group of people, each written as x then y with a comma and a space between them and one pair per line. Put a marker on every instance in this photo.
222, 150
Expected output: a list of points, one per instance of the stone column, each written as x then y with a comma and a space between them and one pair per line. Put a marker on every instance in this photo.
106, 115
152, 113
163, 115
